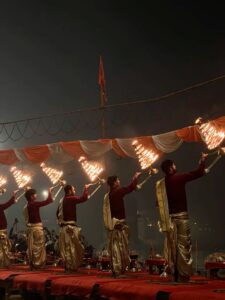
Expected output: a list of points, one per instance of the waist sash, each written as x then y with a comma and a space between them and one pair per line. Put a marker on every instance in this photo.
163, 205
109, 222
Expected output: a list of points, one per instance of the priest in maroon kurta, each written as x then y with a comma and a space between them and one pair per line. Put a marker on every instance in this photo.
178, 246
70, 246
5, 245
115, 222
35, 232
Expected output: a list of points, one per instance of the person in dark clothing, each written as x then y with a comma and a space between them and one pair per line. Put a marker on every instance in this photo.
70, 246
171, 190
5, 245
115, 222
35, 232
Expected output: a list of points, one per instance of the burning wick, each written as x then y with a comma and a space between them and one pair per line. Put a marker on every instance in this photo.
3, 181
55, 177
145, 156
209, 133
53, 174
93, 170
21, 178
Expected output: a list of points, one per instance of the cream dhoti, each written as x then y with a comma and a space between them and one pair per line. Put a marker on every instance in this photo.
36, 245
118, 247
117, 230
5, 247
70, 247
178, 246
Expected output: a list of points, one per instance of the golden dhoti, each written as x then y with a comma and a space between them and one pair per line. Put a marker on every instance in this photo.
118, 247
70, 247
177, 247
36, 245
5, 247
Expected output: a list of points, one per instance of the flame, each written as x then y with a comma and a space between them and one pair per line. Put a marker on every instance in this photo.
93, 170
3, 181
210, 134
145, 156
21, 178
53, 174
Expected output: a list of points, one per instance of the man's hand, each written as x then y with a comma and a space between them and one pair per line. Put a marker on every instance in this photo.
153, 171
102, 180
203, 156
137, 175
62, 182
15, 192
86, 186
50, 190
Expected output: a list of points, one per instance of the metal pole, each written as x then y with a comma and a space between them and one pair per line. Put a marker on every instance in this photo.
196, 256
103, 122
207, 170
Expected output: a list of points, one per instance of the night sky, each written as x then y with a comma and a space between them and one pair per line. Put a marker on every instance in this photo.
49, 55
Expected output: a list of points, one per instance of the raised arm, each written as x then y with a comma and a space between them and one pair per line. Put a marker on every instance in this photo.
199, 172
83, 197
45, 202
131, 187
7, 204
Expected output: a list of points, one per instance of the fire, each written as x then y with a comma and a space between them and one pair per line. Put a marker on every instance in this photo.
210, 134
53, 174
21, 178
93, 170
145, 156
3, 181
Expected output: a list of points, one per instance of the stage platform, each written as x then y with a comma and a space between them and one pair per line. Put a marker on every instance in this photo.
52, 283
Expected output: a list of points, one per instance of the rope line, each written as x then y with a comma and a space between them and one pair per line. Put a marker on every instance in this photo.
74, 121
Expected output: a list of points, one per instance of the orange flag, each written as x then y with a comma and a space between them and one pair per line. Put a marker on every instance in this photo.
102, 83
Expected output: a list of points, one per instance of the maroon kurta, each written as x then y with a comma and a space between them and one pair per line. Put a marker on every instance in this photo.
116, 200
3, 221
69, 206
175, 188
33, 209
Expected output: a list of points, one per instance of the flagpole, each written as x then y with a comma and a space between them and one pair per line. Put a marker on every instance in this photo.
103, 97
103, 123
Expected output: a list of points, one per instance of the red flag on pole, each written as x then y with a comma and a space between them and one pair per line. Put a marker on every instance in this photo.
102, 83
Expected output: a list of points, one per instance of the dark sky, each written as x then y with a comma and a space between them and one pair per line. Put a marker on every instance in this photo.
50, 51
49, 54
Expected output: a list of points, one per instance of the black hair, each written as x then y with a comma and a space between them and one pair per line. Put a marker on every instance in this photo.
166, 165
68, 188
30, 193
111, 180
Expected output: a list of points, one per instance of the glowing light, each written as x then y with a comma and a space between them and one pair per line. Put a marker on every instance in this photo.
93, 170
3, 181
45, 193
211, 135
53, 174
145, 156
21, 178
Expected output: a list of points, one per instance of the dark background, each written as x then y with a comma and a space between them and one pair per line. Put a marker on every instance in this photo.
49, 55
